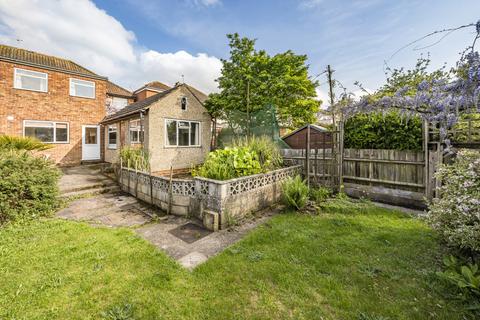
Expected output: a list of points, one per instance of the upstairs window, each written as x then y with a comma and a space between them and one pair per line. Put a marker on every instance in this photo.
30, 80
183, 103
136, 131
119, 103
112, 136
46, 131
181, 133
82, 88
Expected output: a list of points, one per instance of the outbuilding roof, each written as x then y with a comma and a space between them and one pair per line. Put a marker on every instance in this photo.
115, 90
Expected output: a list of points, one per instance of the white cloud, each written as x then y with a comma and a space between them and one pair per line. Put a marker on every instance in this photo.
80, 31
206, 3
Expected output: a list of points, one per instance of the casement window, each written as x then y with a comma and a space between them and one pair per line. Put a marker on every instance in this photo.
30, 80
82, 88
112, 136
183, 103
47, 131
135, 129
119, 103
180, 133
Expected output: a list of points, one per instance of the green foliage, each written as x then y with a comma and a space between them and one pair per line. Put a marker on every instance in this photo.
320, 194
281, 80
243, 158
464, 277
229, 163
135, 158
28, 186
295, 192
456, 215
119, 312
379, 131
267, 151
22, 143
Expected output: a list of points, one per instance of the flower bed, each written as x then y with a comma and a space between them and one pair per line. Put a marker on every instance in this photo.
217, 203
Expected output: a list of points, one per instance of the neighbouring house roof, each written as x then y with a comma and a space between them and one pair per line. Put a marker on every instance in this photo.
154, 85
115, 90
40, 60
145, 104
312, 126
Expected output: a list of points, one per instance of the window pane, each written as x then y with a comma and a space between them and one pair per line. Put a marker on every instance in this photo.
171, 133
194, 134
31, 83
183, 133
43, 134
90, 135
81, 89
61, 132
39, 124
133, 136
119, 103
112, 138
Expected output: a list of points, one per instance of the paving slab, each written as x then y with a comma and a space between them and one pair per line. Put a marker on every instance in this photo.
183, 239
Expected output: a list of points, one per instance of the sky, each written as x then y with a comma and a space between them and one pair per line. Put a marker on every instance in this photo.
136, 41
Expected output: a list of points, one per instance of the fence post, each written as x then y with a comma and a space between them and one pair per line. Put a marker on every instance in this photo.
308, 156
426, 168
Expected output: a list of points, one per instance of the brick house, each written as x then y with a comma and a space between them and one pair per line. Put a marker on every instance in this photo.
81, 113
172, 124
56, 101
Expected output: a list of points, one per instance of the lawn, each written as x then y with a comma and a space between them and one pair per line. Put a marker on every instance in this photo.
351, 261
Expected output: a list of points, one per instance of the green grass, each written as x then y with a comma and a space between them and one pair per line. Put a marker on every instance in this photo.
352, 261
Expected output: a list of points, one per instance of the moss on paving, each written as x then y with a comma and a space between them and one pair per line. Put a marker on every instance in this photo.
352, 261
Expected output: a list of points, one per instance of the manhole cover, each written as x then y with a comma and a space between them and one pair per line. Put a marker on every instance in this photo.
190, 232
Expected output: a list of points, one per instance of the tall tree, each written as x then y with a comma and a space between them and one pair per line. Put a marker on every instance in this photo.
251, 79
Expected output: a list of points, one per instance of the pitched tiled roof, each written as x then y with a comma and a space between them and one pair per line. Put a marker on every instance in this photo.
137, 106
35, 59
155, 85
115, 90
197, 93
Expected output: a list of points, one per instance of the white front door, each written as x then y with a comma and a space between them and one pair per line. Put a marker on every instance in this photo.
90, 142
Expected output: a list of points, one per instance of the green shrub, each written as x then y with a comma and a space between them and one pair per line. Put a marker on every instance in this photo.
229, 163
22, 143
456, 215
28, 186
135, 158
379, 131
320, 194
295, 192
266, 149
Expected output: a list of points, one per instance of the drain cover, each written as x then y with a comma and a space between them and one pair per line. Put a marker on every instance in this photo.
190, 232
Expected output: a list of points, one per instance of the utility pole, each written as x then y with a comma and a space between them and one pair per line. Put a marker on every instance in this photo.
332, 98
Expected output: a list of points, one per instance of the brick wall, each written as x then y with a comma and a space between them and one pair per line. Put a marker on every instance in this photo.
54, 105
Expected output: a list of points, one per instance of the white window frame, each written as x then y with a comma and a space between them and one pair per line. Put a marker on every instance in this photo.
85, 83
54, 130
110, 145
189, 134
41, 75
140, 129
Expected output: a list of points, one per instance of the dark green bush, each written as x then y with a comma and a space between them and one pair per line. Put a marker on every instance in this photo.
28, 186
22, 143
379, 131
295, 192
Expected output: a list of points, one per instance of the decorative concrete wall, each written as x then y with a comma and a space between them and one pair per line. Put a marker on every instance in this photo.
217, 203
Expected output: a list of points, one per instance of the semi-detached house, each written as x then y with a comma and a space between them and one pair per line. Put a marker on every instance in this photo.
76, 110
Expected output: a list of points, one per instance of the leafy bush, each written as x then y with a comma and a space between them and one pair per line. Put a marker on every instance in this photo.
320, 194
266, 149
379, 131
295, 192
135, 158
456, 215
229, 163
22, 143
28, 186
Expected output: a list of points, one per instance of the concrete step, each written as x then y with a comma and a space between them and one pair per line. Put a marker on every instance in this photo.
96, 190
93, 185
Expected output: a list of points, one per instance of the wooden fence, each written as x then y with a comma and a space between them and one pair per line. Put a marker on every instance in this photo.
392, 176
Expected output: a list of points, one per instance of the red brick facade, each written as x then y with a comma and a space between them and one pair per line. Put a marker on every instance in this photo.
17, 105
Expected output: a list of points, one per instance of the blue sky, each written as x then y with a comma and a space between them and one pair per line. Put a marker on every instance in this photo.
355, 37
